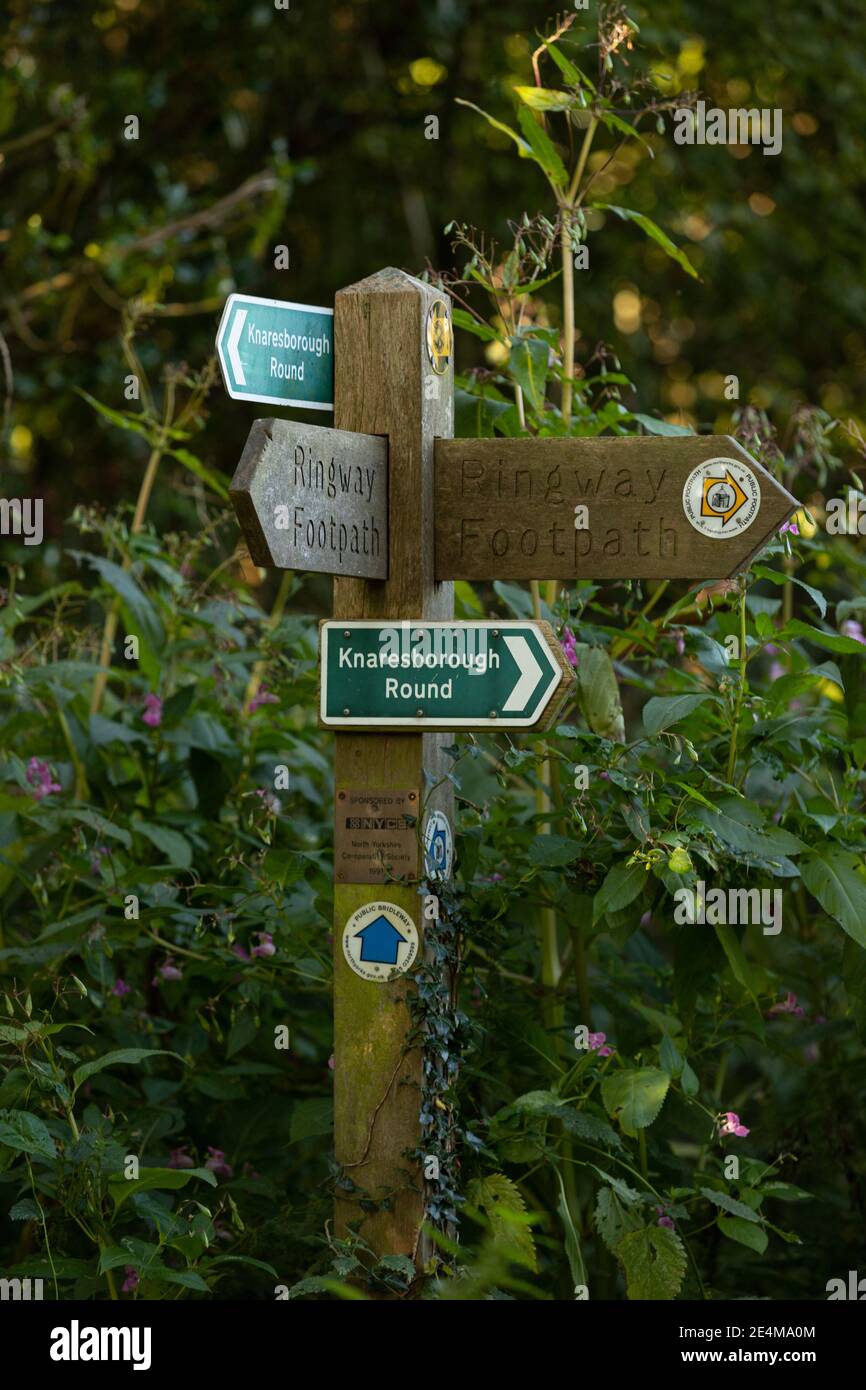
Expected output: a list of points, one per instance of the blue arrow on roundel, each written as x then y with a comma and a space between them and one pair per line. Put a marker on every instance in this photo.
380, 941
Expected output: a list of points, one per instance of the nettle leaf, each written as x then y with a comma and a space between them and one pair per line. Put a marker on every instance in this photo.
25, 1210
832, 876
502, 1203
613, 1219
662, 711
654, 1260
635, 1097
655, 233
26, 1134
729, 1204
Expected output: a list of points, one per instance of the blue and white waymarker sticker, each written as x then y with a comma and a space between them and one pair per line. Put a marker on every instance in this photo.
380, 941
438, 846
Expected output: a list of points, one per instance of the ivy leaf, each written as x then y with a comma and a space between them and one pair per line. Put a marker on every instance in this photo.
655, 233
654, 1261
26, 1134
635, 1097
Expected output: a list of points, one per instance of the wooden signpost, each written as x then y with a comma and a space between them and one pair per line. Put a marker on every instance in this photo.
640, 507
395, 509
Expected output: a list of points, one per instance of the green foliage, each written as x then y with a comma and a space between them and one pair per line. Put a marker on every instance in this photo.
165, 908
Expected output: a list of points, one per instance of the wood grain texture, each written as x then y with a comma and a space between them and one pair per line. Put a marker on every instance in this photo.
385, 385
505, 509
309, 498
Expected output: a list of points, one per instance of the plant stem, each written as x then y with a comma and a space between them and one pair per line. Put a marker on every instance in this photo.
741, 690
112, 617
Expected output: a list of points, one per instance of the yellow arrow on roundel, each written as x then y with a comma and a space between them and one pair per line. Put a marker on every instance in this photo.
707, 508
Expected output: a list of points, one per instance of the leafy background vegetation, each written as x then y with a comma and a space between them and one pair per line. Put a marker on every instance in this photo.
154, 1035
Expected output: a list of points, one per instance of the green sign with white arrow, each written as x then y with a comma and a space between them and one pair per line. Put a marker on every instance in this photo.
274, 351
441, 675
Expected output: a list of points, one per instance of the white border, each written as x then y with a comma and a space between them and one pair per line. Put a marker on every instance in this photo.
237, 395
504, 721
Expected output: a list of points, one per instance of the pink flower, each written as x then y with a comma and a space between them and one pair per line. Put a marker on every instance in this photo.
665, 1220
169, 971
120, 987
597, 1043
131, 1282
568, 642
850, 628
179, 1158
272, 802
730, 1124
266, 945
152, 711
789, 526
777, 671
331, 1063
39, 777
788, 1005
238, 950
217, 1163
263, 696
97, 856
680, 640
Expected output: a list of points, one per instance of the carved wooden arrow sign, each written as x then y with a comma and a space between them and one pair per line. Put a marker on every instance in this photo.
309, 498
642, 507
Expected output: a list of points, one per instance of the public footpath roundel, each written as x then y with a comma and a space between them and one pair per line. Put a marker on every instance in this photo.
380, 942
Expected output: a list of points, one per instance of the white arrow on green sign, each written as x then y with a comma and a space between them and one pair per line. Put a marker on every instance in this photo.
274, 351
441, 675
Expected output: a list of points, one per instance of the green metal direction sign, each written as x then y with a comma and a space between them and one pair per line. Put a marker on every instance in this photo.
274, 351
440, 675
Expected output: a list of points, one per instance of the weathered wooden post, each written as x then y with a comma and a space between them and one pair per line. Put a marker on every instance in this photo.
393, 377
398, 676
